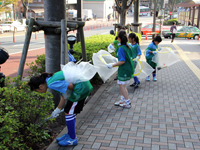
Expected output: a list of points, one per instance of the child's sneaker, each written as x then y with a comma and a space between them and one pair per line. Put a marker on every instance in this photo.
64, 136
119, 102
124, 105
154, 78
68, 141
147, 79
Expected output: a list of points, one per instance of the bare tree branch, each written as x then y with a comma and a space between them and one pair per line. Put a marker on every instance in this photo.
130, 4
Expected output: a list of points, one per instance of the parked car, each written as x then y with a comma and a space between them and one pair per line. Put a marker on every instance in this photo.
11, 25
147, 29
184, 32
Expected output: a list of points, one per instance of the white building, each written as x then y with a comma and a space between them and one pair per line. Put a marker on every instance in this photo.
102, 8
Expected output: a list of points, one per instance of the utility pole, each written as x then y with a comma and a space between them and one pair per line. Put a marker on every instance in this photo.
154, 19
53, 11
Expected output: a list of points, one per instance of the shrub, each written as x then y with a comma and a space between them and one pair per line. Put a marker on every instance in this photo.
21, 111
170, 22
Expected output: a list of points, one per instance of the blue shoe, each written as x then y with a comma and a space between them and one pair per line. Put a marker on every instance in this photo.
64, 136
154, 78
69, 141
147, 79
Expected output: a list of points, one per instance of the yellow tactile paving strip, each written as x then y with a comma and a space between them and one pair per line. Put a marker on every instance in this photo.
189, 63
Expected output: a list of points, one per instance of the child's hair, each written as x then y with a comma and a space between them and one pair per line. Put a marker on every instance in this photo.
123, 37
123, 28
116, 38
134, 36
158, 39
35, 81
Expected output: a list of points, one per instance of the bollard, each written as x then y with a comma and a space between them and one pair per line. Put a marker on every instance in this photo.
146, 37
100, 25
97, 26
91, 27
85, 28
189, 37
35, 36
14, 36
94, 26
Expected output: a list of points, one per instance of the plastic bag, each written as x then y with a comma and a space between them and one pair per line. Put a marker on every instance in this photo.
100, 60
165, 58
75, 73
143, 69
110, 49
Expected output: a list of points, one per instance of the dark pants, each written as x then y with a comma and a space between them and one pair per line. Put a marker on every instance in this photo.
173, 36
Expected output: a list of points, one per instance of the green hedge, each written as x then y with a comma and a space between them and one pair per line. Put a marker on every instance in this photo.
20, 114
170, 22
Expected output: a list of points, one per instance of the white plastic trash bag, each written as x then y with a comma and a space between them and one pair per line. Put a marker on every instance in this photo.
143, 69
165, 58
100, 60
75, 73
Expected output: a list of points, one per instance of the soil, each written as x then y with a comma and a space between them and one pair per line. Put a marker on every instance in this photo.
57, 126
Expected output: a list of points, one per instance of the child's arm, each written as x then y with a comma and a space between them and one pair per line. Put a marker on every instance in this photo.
63, 100
119, 63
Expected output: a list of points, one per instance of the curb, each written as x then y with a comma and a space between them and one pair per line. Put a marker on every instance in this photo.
84, 114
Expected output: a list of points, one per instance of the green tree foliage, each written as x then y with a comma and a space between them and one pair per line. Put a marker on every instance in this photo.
4, 5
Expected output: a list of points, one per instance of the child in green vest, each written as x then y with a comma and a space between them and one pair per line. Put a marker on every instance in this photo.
75, 103
151, 51
125, 70
134, 43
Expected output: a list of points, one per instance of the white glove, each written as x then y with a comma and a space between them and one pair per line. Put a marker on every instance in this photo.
155, 52
138, 57
111, 47
55, 113
109, 66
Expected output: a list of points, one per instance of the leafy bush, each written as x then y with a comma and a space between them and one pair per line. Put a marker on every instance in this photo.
93, 44
37, 67
170, 22
21, 111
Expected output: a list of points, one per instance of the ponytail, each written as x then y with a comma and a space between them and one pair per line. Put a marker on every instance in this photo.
134, 36
35, 81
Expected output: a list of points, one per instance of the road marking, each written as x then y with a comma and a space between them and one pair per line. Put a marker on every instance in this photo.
105, 33
28, 50
188, 62
30, 44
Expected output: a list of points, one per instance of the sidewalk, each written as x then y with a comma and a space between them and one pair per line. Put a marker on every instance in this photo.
164, 114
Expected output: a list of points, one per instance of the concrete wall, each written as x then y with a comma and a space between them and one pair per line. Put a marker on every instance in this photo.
97, 7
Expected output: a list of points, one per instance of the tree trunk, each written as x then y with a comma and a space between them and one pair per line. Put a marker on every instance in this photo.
123, 18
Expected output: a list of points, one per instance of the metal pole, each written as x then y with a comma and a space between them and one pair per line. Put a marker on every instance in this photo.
79, 16
84, 55
25, 48
64, 50
136, 14
53, 11
154, 19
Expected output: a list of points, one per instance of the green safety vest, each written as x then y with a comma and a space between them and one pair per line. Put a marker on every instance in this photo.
149, 58
116, 42
81, 90
126, 71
